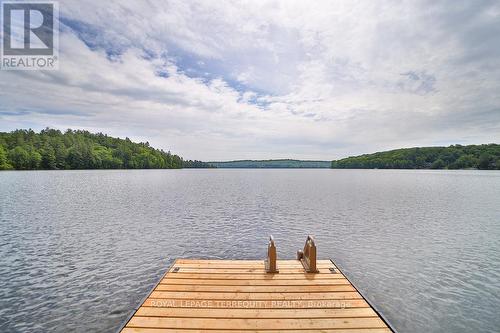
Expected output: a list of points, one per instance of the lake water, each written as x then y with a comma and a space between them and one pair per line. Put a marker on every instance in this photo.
80, 249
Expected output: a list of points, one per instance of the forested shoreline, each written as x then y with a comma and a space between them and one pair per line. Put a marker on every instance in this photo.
484, 157
51, 149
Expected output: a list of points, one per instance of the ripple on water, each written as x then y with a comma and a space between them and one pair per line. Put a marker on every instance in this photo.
79, 249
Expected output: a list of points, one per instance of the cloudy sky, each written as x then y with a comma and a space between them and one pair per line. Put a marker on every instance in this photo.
217, 80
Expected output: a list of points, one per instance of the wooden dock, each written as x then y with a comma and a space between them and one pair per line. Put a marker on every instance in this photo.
239, 295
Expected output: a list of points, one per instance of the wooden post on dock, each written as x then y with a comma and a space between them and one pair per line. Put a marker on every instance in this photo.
270, 262
308, 256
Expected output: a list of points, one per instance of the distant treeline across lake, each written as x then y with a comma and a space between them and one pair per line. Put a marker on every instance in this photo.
272, 164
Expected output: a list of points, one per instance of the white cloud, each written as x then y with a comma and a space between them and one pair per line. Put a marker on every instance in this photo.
258, 79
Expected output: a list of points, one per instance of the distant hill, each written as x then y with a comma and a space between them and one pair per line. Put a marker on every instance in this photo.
51, 149
270, 164
485, 157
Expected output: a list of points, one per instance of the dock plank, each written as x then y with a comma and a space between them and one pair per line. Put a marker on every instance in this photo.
244, 265
259, 262
237, 295
255, 323
255, 282
254, 313
255, 276
246, 270
256, 288
255, 296
262, 304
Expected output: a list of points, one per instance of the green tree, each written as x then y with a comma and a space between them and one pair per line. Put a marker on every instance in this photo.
75, 159
465, 161
49, 160
35, 159
19, 158
4, 162
105, 159
438, 164
61, 154
485, 161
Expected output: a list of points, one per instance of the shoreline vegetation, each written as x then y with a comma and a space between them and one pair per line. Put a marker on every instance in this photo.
482, 157
51, 149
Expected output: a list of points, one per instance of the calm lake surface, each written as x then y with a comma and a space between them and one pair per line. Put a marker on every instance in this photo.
80, 249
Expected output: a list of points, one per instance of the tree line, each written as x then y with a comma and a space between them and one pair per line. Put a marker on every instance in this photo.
50, 149
270, 164
484, 157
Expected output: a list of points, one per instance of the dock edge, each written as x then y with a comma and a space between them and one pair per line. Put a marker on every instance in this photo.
373, 306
